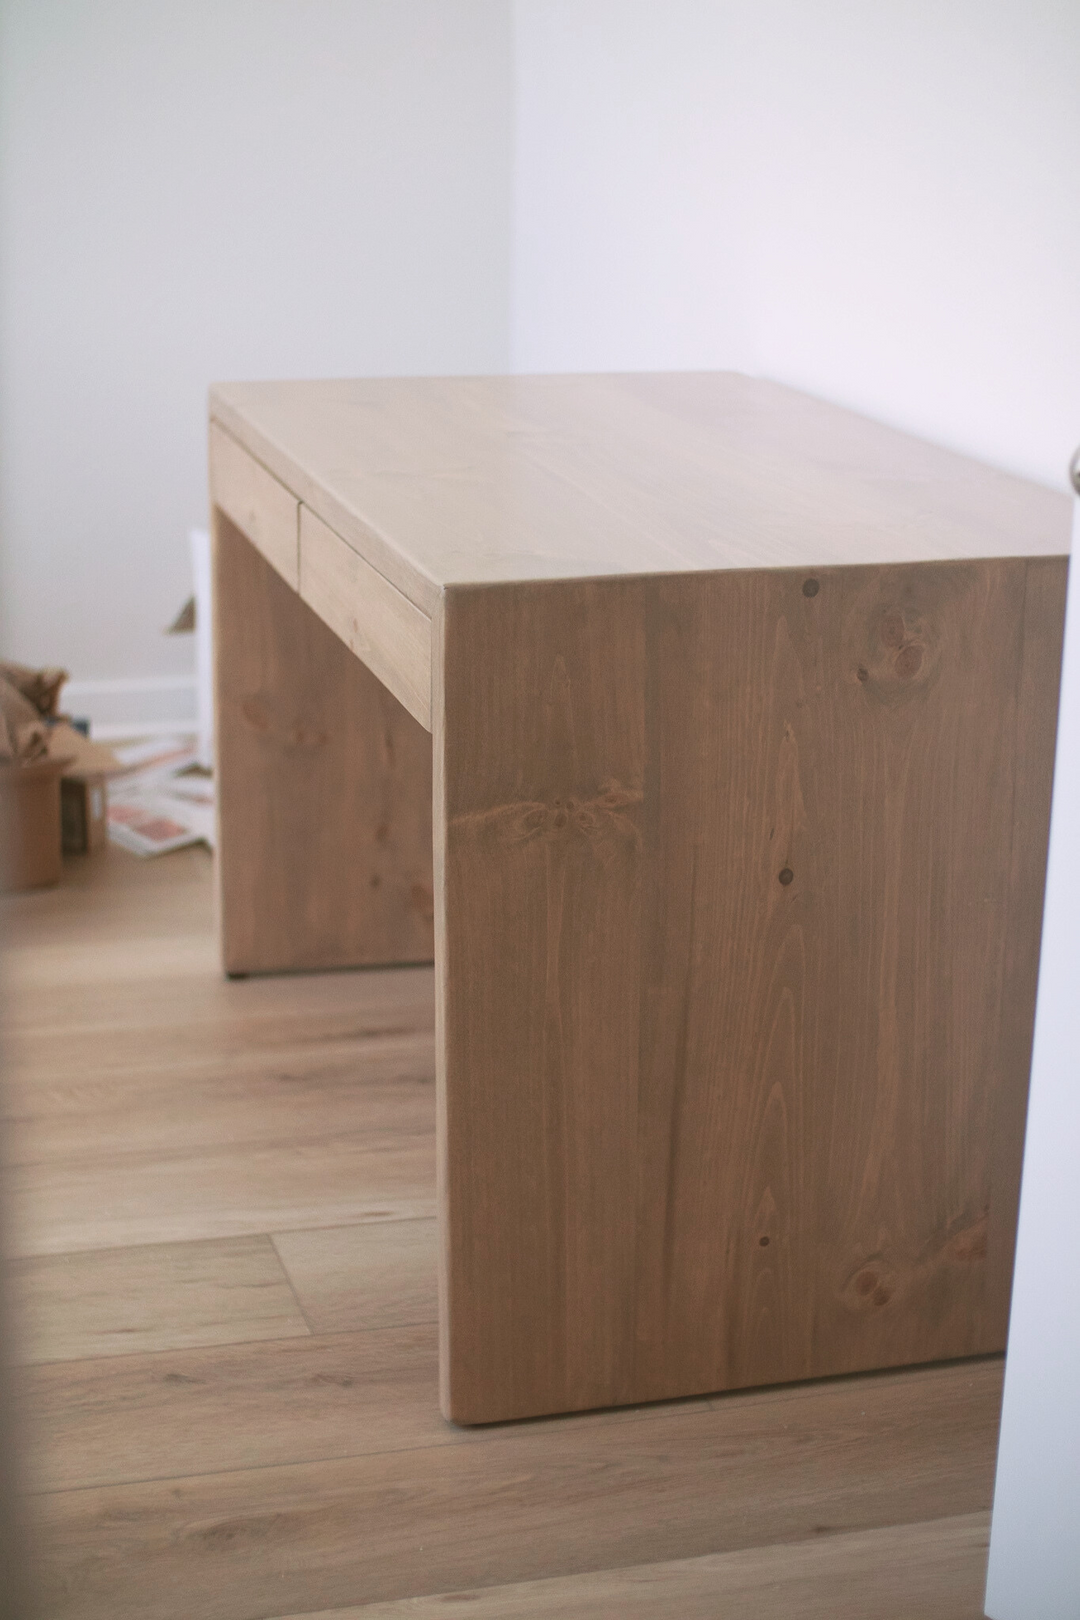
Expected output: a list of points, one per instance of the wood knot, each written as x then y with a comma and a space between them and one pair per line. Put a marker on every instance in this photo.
894, 645
894, 634
870, 1287
970, 1244
257, 713
908, 660
261, 714
605, 821
891, 629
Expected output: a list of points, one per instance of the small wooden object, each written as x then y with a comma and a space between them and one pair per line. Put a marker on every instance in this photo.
742, 716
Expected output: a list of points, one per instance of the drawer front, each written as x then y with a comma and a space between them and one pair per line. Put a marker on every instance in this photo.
262, 509
390, 634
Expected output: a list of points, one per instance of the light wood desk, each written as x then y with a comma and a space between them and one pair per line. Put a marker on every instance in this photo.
742, 717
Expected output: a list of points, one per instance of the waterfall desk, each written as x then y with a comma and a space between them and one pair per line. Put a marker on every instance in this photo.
702, 733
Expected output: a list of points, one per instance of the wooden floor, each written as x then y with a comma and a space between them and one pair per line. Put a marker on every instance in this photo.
220, 1201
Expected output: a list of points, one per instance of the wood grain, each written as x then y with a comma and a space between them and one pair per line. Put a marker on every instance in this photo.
728, 883
50, 970
72, 957
179, 1194
201, 1411
104, 900
742, 722
117, 1302
323, 784
466, 480
522, 1504
253, 1405
204, 1029
543, 765
374, 620
1036, 735
186, 1107
936, 1571
375, 1275
260, 1093
257, 503
313, 1472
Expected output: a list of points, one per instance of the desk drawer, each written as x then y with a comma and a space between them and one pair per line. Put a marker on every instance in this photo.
386, 631
262, 509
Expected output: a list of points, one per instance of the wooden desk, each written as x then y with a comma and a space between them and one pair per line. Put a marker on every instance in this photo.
743, 715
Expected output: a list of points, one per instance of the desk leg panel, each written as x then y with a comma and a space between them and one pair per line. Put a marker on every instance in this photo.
324, 787
731, 912
538, 869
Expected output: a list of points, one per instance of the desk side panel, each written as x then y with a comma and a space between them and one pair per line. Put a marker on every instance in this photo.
262, 508
383, 628
742, 901
324, 787
1036, 738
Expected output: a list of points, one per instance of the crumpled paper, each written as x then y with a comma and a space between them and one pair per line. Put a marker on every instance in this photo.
27, 698
41, 687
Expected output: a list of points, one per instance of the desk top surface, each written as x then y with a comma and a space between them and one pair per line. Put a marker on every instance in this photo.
445, 481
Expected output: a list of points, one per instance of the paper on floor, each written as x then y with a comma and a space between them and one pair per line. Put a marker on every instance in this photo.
165, 800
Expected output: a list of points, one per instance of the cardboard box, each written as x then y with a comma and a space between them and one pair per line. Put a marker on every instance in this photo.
30, 824
84, 794
84, 814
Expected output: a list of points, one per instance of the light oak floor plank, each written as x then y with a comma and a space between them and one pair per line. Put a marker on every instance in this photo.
375, 1085
930, 1571
111, 895
119, 965
194, 1013
532, 1501
373, 1275
206, 1023
115, 1199
160, 1118
230, 1407
115, 1302
61, 967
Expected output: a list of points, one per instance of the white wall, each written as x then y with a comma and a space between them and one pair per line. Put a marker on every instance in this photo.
875, 202
1034, 1543
625, 248
215, 189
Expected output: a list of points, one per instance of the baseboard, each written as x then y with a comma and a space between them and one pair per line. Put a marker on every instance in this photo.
136, 706
129, 730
